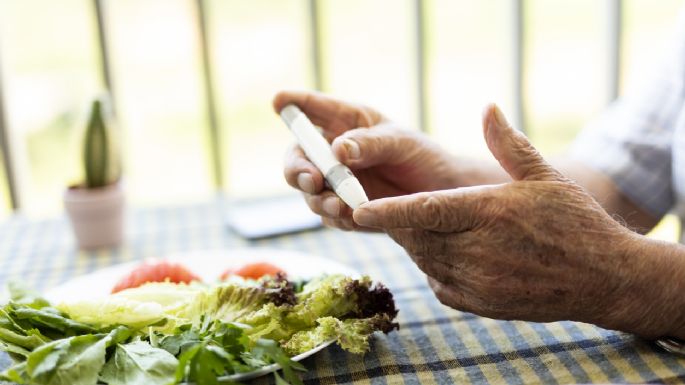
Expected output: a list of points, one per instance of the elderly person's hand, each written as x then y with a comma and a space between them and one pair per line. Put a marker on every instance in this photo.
387, 160
539, 248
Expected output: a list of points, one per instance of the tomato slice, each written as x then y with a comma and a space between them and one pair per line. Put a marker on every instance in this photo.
155, 271
253, 271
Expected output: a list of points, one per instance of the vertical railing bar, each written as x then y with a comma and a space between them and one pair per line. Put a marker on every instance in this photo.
614, 39
216, 147
518, 65
421, 74
316, 49
103, 46
7, 153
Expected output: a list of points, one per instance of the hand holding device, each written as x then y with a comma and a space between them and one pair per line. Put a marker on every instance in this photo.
318, 150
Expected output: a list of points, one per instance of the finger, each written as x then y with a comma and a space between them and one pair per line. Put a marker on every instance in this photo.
446, 211
513, 150
328, 204
341, 224
381, 144
333, 115
300, 173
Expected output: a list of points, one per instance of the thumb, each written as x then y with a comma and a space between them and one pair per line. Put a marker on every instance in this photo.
381, 144
513, 150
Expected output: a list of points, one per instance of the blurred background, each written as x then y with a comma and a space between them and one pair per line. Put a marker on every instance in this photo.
192, 80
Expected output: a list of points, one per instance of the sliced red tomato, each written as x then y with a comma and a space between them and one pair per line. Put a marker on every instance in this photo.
157, 271
253, 271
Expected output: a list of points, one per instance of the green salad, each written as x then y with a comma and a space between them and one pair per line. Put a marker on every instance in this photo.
166, 333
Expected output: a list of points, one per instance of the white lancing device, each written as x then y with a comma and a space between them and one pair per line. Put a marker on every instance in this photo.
317, 149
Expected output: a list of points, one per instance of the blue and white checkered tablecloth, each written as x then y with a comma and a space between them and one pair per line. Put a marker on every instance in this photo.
435, 345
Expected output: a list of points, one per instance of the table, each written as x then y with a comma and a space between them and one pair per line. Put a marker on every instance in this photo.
435, 345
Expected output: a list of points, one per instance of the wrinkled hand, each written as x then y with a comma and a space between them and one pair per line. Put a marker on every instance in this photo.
387, 160
539, 248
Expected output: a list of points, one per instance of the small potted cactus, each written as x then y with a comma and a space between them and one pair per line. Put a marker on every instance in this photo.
96, 206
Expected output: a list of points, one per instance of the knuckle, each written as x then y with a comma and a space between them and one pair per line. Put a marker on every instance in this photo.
314, 203
433, 212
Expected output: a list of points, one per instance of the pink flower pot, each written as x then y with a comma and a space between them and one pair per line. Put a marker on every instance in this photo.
96, 215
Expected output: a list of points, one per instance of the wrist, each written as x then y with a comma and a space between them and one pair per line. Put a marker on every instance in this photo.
649, 283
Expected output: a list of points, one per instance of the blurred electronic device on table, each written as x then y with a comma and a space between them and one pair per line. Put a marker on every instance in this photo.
272, 216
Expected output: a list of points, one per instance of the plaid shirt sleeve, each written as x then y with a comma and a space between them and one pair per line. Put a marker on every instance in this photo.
631, 142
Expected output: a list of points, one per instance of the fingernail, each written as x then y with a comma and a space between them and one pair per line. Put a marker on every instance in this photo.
306, 182
363, 216
331, 206
352, 149
499, 117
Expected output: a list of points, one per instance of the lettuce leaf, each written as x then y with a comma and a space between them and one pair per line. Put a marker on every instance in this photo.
136, 308
138, 363
215, 349
334, 307
72, 361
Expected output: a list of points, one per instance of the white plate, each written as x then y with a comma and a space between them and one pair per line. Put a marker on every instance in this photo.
209, 265
206, 264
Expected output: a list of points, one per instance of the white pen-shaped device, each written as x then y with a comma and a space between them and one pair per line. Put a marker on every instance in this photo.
317, 149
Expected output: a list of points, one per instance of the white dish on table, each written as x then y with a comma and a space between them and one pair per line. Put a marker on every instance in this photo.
209, 265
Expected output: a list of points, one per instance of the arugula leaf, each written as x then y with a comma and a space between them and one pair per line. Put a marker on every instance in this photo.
184, 361
16, 332
30, 339
138, 363
177, 343
269, 351
50, 318
280, 380
203, 364
14, 350
220, 348
207, 365
232, 337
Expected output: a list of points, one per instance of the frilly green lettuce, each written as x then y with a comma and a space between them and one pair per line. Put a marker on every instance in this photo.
332, 307
351, 334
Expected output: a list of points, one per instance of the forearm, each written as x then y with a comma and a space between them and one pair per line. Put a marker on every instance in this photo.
648, 295
603, 189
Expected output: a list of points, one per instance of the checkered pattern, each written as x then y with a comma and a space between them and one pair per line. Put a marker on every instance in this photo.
435, 345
